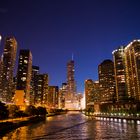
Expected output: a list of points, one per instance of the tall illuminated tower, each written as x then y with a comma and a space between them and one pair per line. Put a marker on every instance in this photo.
132, 62
120, 79
71, 84
8, 63
24, 73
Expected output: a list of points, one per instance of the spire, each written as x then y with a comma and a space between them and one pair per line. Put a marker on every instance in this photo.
72, 56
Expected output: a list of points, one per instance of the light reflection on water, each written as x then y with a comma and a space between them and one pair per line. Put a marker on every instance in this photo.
75, 126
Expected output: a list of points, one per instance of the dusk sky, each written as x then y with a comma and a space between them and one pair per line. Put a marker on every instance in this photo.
54, 29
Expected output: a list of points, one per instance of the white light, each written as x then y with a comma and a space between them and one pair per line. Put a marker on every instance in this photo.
124, 120
0, 37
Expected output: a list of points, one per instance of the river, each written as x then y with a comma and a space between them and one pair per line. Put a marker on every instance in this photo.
75, 126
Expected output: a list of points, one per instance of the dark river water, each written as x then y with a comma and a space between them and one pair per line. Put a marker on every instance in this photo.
76, 126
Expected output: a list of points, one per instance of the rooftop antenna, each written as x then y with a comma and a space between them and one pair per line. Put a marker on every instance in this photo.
72, 56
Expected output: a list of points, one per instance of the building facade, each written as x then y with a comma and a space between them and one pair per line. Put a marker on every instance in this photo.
41, 90
89, 96
62, 95
53, 97
24, 73
132, 63
107, 80
7, 65
120, 75
71, 84
34, 84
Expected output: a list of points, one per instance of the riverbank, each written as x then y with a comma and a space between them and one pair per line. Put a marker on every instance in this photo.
118, 117
10, 125
57, 113
124, 116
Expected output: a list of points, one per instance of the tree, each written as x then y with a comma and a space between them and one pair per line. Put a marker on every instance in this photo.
30, 110
41, 111
4, 113
13, 111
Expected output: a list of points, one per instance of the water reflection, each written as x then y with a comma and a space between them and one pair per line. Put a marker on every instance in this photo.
75, 126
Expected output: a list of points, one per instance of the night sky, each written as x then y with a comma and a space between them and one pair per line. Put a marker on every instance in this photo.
54, 29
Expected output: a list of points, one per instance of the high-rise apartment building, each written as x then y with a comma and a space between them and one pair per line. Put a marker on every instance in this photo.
89, 96
97, 92
71, 84
107, 80
62, 95
34, 84
24, 73
8, 63
41, 89
120, 79
1, 73
132, 62
53, 97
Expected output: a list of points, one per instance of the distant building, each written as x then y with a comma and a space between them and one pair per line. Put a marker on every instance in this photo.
89, 96
7, 69
34, 84
97, 92
24, 73
120, 79
71, 84
62, 95
1, 73
53, 97
132, 63
107, 80
41, 90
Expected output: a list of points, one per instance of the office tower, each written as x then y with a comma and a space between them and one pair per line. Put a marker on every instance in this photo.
71, 84
41, 89
53, 97
24, 73
89, 96
1, 72
97, 92
8, 63
119, 67
34, 84
132, 62
107, 80
62, 94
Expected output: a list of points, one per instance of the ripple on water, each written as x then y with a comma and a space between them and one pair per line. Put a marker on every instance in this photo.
76, 127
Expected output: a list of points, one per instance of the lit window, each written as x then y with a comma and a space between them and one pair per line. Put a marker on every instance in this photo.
23, 78
25, 61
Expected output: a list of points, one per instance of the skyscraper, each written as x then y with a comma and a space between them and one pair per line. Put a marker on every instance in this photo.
62, 95
24, 73
8, 63
132, 62
53, 97
34, 84
1, 73
107, 80
71, 84
120, 80
41, 89
89, 97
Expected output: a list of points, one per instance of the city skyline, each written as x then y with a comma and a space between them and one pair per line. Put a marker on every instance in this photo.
54, 30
